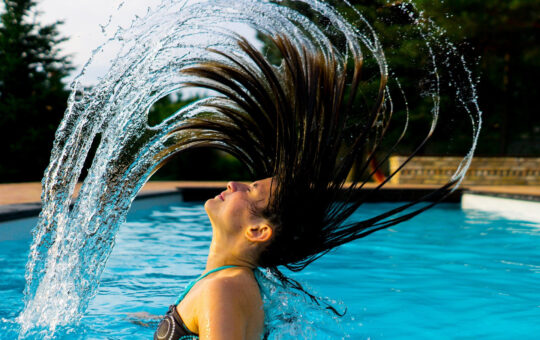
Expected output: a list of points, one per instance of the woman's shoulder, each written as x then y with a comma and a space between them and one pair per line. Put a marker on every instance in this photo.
229, 300
232, 301
236, 280
236, 284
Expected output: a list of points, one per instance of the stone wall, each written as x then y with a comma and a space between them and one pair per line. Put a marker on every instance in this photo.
483, 170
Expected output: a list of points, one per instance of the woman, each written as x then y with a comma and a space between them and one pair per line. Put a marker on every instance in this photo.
226, 303
297, 126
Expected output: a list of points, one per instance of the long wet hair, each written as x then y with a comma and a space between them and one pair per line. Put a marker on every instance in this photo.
297, 123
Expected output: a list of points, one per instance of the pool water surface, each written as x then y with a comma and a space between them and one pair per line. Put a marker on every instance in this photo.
448, 273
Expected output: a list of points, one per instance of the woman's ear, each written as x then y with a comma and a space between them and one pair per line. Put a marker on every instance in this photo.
261, 232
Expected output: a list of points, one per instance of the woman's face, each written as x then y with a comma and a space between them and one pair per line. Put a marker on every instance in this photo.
232, 210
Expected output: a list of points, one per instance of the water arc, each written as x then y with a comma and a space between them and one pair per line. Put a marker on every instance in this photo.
74, 237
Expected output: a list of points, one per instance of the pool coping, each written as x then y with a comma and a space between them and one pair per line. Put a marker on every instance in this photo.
200, 191
510, 195
17, 211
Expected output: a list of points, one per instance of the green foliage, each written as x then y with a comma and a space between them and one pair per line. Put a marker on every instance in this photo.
504, 36
32, 95
499, 40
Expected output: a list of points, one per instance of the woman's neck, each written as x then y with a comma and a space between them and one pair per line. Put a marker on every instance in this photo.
226, 255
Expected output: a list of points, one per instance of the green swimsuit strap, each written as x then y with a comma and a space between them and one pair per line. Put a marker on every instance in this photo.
192, 283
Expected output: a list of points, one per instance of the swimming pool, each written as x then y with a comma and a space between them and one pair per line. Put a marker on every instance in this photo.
448, 273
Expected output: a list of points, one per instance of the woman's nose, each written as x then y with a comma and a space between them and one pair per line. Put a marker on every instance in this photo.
232, 186
235, 186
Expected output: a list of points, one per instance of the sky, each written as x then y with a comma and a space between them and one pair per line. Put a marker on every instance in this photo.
82, 20
82, 25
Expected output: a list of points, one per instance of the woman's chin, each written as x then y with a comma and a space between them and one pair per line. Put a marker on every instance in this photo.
209, 204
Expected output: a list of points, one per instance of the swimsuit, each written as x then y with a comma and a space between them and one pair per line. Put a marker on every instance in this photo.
172, 326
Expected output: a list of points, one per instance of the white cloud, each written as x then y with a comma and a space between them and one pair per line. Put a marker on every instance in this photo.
81, 24
83, 21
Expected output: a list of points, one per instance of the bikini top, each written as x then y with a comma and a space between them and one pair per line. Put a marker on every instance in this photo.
172, 327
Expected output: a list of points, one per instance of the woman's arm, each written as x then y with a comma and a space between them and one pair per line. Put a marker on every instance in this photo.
227, 308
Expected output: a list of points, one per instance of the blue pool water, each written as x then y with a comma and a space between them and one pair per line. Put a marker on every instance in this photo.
448, 273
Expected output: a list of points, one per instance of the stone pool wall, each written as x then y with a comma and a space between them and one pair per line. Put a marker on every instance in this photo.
483, 170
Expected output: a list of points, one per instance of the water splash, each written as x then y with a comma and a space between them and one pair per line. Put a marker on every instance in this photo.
290, 314
74, 237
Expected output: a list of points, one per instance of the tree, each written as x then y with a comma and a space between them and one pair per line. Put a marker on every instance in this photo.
502, 35
32, 95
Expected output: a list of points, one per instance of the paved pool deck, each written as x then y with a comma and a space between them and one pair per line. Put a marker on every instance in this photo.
21, 193
19, 200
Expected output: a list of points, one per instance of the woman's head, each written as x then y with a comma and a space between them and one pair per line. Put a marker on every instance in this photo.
277, 224
236, 214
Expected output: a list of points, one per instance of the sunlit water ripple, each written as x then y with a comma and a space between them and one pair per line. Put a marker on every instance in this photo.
447, 273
